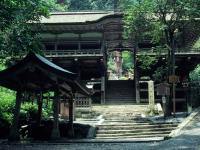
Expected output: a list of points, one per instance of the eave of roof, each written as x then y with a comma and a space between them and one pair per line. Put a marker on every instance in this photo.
12, 77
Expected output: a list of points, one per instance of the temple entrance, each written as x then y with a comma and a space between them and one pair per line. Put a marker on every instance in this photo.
120, 65
120, 72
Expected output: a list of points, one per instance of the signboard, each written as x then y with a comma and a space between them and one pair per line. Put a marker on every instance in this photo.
173, 79
163, 89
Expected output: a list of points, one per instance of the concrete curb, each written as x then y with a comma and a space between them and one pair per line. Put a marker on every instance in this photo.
63, 142
177, 131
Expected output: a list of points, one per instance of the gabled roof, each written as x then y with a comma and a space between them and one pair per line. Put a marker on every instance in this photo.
34, 73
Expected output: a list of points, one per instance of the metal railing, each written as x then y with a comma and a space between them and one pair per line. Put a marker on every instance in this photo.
70, 53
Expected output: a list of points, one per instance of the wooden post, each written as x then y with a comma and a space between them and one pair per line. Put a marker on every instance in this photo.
79, 42
137, 90
103, 90
55, 132
14, 132
39, 101
103, 75
71, 118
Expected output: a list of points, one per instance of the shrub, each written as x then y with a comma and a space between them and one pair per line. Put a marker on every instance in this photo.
28, 111
7, 98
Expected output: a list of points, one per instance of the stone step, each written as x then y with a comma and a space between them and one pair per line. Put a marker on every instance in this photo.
135, 136
138, 125
132, 133
135, 130
130, 127
131, 121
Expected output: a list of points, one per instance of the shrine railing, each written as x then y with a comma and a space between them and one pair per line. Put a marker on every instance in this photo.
71, 53
180, 94
164, 51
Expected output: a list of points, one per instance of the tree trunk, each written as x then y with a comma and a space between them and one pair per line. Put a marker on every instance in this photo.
171, 70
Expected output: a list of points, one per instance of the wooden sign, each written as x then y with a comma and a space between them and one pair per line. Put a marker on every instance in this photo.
163, 89
173, 79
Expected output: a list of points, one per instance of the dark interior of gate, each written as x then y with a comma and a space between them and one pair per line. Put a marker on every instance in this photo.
82, 42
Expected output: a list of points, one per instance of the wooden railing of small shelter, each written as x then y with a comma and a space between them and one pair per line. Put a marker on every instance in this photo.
83, 102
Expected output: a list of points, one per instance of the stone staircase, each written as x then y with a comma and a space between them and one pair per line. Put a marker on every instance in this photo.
120, 129
125, 122
120, 92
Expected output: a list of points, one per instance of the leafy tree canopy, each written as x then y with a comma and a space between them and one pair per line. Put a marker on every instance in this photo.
161, 20
160, 17
17, 16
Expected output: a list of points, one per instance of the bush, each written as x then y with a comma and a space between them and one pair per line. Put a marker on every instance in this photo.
7, 98
28, 111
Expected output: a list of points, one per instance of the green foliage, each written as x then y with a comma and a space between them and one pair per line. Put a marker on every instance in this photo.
160, 74
136, 19
7, 98
111, 63
47, 110
160, 18
197, 44
127, 60
16, 30
55, 6
146, 61
195, 74
75, 5
28, 110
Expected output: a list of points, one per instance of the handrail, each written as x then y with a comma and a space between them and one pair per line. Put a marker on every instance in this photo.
73, 52
164, 50
83, 102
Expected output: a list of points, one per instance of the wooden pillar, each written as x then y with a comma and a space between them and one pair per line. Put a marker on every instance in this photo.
14, 132
39, 101
103, 76
103, 90
71, 116
79, 42
55, 132
136, 76
56, 42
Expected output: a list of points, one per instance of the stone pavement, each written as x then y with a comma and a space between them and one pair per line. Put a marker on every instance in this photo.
188, 139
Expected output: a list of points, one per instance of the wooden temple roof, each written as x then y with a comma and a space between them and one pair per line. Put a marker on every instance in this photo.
36, 73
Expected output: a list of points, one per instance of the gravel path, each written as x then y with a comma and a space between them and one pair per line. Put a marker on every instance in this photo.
189, 139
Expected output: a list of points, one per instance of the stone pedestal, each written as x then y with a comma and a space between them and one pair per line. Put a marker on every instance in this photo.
151, 96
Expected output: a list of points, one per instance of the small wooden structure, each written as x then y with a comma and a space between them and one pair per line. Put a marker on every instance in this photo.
35, 74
